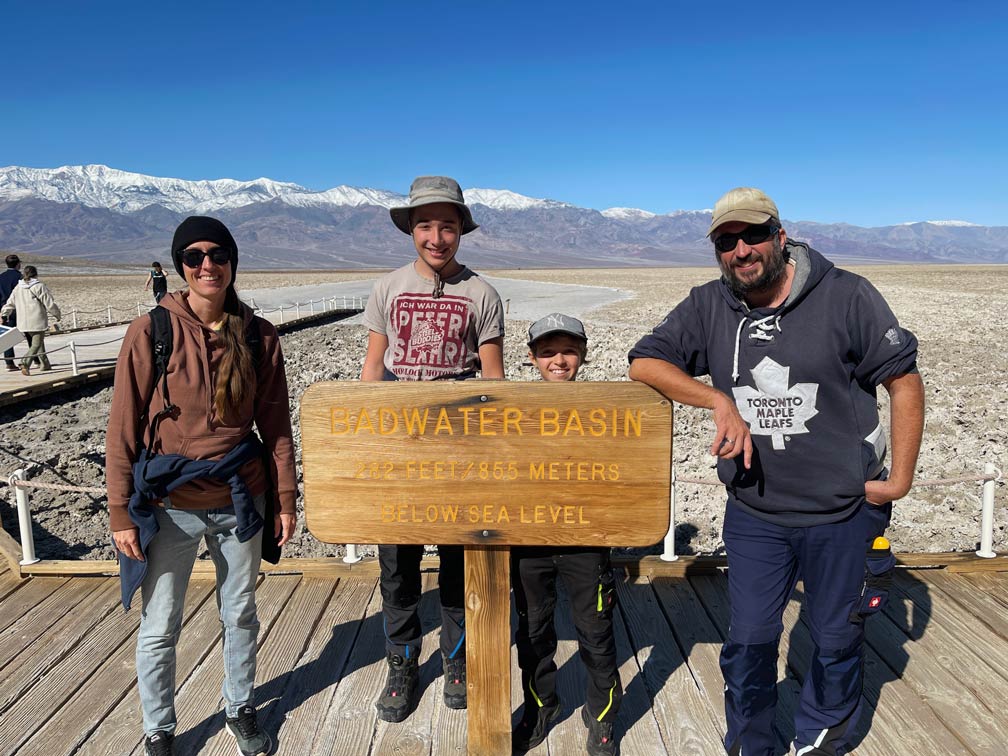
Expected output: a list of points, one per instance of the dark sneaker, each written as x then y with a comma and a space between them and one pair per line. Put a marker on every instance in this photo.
400, 695
600, 735
454, 682
244, 728
532, 728
160, 744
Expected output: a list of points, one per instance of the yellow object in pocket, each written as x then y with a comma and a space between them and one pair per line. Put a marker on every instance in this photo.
880, 542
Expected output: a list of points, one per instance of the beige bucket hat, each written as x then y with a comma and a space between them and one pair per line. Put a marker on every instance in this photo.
429, 190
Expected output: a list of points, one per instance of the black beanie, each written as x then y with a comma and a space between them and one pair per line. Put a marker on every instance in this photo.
197, 228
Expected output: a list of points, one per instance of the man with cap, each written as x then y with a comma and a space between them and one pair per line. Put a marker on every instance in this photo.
795, 349
8, 280
558, 347
431, 319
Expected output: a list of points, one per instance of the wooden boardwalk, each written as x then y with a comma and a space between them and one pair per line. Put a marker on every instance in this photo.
937, 669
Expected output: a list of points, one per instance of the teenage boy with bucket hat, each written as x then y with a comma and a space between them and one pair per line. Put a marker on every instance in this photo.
431, 319
796, 350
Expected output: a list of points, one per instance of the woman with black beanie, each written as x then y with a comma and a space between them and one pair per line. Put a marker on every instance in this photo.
183, 465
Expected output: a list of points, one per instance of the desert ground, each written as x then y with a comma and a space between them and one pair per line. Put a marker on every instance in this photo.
955, 311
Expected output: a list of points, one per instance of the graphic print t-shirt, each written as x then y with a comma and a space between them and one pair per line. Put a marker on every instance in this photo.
433, 338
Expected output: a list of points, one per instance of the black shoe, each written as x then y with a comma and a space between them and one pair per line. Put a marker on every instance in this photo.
600, 735
399, 698
454, 682
160, 744
244, 728
534, 724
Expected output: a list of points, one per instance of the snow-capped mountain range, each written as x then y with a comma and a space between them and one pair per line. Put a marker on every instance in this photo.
124, 192
99, 212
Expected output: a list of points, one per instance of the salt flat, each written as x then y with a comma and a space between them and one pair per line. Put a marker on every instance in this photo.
956, 312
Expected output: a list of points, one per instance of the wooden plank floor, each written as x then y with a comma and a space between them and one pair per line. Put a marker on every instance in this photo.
936, 669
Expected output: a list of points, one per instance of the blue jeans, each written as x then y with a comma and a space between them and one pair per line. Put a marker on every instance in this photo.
170, 560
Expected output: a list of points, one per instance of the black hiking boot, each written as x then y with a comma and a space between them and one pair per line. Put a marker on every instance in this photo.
600, 735
454, 682
399, 698
533, 726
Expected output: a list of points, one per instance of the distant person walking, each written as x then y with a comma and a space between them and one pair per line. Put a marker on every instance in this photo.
431, 319
8, 280
184, 465
33, 303
796, 350
157, 281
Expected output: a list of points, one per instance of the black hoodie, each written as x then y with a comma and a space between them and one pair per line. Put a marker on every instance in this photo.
803, 376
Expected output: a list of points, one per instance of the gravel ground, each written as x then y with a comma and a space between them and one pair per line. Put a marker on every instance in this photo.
954, 310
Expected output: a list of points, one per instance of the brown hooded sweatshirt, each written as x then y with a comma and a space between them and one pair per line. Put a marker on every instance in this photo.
196, 432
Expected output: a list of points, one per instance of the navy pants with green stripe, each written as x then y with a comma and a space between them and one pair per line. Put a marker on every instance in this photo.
587, 576
765, 562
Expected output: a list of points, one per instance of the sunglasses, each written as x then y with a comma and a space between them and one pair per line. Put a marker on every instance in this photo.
193, 258
751, 235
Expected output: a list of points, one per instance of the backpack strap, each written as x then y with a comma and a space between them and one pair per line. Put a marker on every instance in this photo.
253, 337
161, 350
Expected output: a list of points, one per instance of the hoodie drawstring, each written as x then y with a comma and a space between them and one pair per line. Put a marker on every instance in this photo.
738, 341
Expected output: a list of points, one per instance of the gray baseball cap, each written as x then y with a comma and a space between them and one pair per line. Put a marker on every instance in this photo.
556, 323
746, 205
429, 190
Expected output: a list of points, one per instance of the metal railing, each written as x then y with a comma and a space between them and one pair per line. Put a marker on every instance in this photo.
328, 304
20, 485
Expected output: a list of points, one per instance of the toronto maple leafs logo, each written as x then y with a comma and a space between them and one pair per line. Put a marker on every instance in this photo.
772, 409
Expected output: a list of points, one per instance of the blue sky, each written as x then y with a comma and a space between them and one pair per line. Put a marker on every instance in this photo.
869, 113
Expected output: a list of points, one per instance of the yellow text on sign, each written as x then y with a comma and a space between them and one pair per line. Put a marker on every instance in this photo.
486, 462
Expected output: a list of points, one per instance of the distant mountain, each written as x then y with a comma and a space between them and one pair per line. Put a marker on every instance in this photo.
100, 213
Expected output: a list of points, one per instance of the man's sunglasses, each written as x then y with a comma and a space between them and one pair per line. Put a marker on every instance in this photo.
750, 235
193, 258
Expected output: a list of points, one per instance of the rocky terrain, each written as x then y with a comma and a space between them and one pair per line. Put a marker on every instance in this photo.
956, 312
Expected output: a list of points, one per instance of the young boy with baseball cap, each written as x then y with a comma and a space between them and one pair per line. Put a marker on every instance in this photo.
558, 347
431, 319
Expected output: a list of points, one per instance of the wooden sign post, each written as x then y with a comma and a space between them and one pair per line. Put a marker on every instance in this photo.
487, 464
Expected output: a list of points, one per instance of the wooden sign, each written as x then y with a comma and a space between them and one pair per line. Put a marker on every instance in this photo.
486, 462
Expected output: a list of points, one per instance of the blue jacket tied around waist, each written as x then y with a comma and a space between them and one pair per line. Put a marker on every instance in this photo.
157, 475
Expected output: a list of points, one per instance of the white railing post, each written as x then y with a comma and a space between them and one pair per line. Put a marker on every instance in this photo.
281, 314
344, 303
311, 304
351, 554
297, 310
987, 514
668, 551
110, 314
138, 310
75, 317
73, 358
24, 519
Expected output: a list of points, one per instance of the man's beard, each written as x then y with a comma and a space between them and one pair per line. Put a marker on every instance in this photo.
774, 266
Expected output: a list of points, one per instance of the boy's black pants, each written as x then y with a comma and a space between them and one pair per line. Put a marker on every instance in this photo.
587, 576
400, 589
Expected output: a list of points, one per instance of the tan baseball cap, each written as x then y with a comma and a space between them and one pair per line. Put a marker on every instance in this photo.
744, 204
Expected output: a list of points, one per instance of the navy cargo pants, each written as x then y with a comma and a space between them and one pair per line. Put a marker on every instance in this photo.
587, 576
400, 590
844, 581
